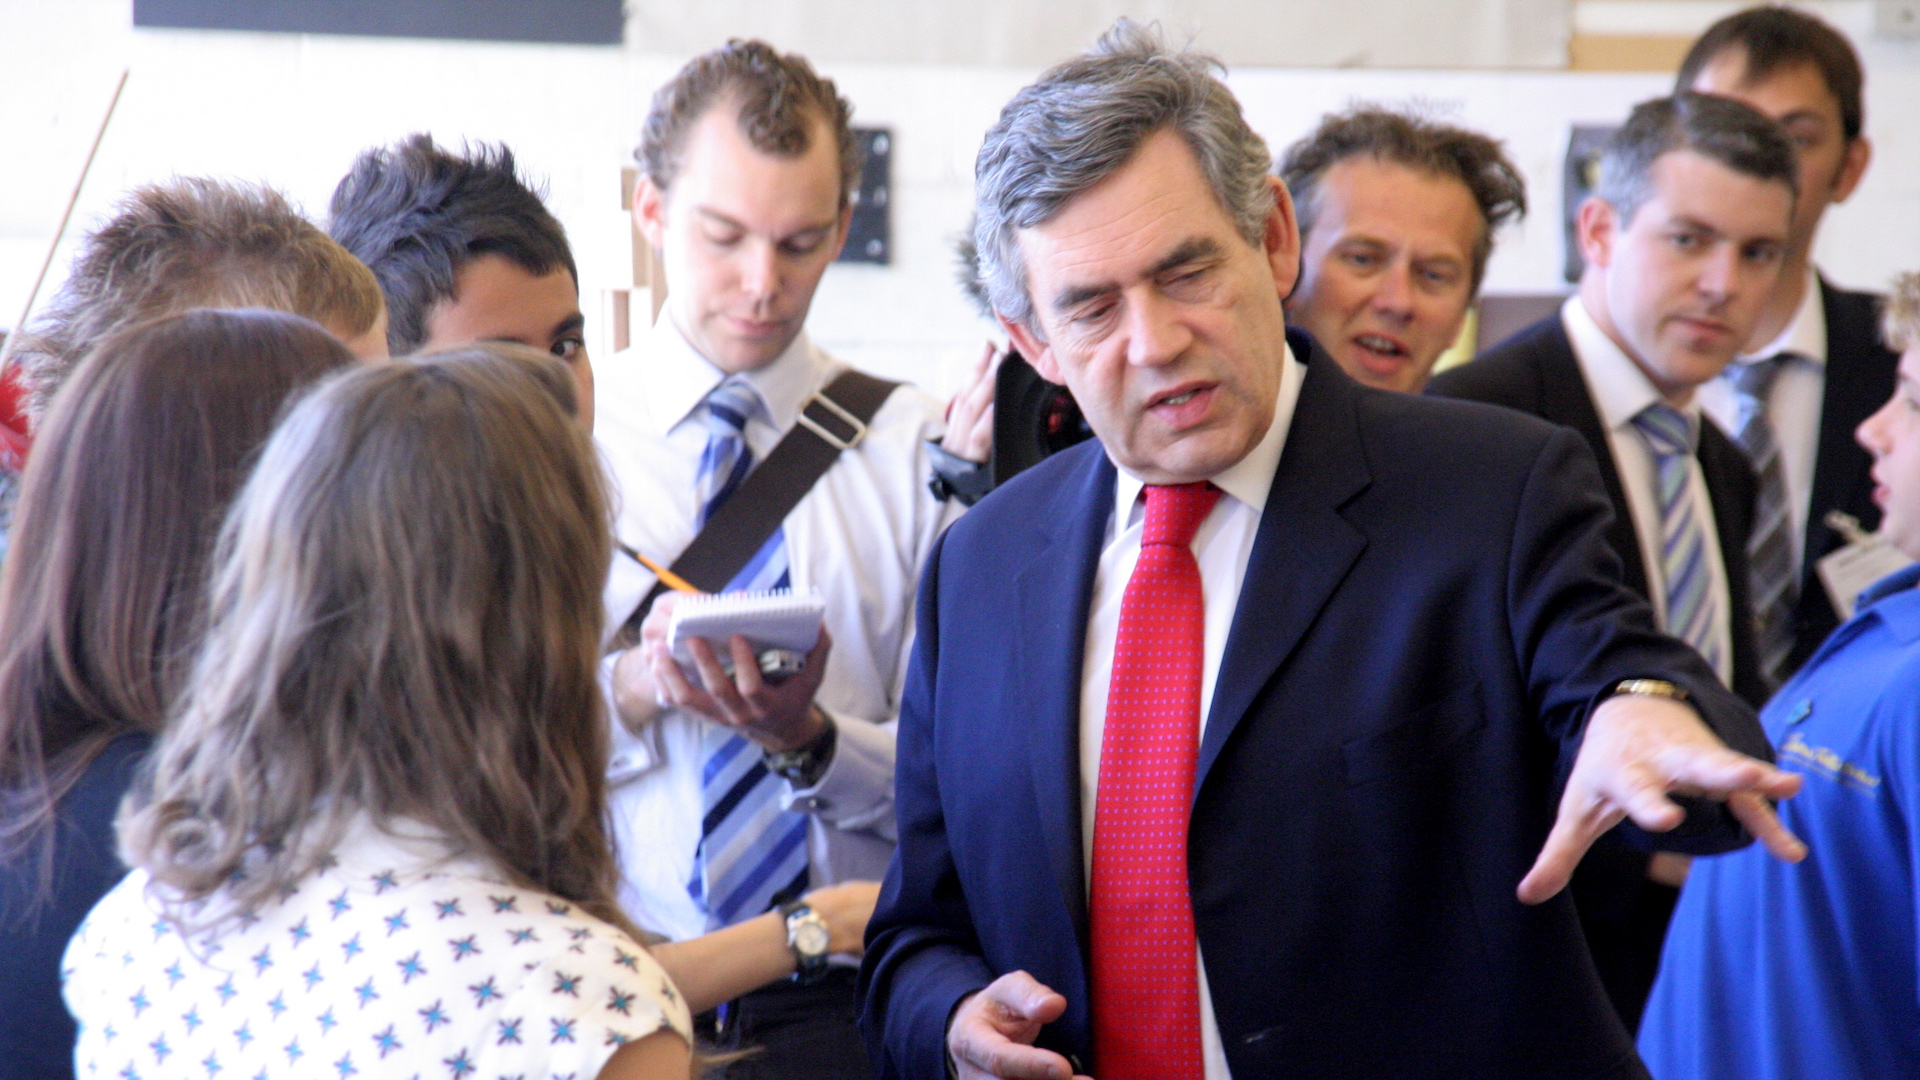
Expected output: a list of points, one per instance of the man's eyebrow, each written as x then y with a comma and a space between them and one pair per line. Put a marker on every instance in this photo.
575, 321
1687, 221
1193, 250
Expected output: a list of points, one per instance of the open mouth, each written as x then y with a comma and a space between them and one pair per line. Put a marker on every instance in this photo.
1380, 354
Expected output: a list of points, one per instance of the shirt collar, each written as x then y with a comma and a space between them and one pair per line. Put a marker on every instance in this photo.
1896, 601
1620, 390
680, 378
1250, 478
1804, 337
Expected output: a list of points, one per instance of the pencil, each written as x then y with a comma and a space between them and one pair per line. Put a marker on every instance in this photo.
667, 577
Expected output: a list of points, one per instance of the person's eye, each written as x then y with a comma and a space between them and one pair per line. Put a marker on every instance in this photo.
1685, 241
1762, 254
1091, 314
804, 244
1360, 260
569, 349
723, 237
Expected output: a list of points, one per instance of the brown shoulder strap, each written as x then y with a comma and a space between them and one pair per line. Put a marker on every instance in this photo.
833, 420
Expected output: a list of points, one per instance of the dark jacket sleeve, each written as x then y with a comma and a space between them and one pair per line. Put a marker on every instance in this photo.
922, 957
1579, 631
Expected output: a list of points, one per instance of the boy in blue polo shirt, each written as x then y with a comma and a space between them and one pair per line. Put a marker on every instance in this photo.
1775, 971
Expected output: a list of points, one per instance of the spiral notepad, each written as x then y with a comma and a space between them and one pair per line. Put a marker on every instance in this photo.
771, 619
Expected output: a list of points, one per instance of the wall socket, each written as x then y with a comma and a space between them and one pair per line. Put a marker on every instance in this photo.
1896, 19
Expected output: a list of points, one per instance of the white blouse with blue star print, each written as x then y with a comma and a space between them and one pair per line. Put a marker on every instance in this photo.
394, 961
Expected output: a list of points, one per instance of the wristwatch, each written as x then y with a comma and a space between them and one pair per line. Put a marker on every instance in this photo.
954, 477
1649, 688
808, 937
803, 766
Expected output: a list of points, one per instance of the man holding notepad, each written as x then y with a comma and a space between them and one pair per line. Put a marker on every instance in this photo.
746, 459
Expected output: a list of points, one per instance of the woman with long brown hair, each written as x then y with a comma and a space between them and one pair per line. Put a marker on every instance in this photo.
374, 838
101, 604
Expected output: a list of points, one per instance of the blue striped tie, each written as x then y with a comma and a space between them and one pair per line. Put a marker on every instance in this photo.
1691, 614
752, 854
1772, 577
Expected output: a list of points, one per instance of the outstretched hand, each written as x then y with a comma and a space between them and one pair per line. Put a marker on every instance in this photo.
992, 1032
1639, 750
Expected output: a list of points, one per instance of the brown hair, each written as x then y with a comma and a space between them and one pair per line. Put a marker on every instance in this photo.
1418, 143
1771, 38
192, 242
405, 622
103, 591
779, 98
1901, 324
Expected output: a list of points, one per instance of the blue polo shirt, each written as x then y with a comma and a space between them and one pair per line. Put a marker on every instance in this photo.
1775, 971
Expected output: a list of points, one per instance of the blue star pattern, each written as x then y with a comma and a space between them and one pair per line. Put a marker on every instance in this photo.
530, 985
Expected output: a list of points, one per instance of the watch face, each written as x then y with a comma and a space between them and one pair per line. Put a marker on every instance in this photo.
810, 937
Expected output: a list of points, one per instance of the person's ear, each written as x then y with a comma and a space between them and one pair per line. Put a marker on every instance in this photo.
1036, 352
1853, 166
844, 226
650, 213
1595, 227
1282, 240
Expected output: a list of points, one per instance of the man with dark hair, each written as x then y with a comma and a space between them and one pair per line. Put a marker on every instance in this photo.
1683, 240
1814, 367
465, 251
1231, 738
195, 242
733, 794
1397, 216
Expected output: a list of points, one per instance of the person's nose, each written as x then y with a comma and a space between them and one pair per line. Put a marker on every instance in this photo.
1156, 333
1393, 292
760, 272
1872, 432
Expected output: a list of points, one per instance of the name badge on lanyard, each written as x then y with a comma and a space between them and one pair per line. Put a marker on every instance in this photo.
1864, 560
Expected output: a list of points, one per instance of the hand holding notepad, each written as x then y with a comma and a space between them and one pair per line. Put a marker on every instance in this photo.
774, 622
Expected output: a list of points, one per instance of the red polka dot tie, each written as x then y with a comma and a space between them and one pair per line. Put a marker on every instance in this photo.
1146, 992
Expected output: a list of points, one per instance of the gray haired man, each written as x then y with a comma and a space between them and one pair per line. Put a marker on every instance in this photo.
1227, 746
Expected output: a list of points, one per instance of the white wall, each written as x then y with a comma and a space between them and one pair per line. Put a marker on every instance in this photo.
294, 110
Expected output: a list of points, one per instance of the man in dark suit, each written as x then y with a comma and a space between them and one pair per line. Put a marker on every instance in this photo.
1814, 367
1232, 738
1683, 243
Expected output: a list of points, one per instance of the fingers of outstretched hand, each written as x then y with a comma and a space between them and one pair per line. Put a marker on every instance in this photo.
993, 1031
1583, 816
1757, 815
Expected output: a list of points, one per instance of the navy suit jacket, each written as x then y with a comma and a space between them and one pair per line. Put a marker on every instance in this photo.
1536, 372
1860, 378
1429, 611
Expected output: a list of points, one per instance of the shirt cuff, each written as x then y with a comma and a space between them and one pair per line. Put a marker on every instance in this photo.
856, 791
628, 755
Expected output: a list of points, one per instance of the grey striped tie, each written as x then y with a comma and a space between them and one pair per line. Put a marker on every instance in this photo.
1691, 611
1772, 578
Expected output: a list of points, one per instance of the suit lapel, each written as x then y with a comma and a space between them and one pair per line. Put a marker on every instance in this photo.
1566, 400
1055, 588
1302, 550
1851, 395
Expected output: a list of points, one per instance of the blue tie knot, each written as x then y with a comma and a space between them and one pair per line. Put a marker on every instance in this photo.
729, 405
1667, 432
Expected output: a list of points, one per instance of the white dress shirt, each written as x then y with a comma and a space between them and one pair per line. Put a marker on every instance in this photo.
1221, 547
859, 536
1620, 390
1793, 404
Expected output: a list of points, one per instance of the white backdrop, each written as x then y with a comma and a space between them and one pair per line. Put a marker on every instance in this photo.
293, 111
